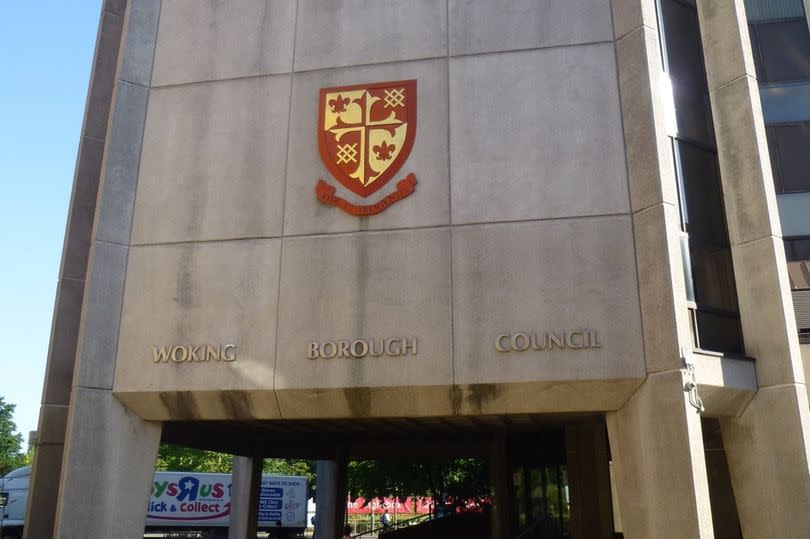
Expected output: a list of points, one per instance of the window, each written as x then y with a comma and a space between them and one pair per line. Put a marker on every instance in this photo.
797, 249
708, 268
781, 50
789, 146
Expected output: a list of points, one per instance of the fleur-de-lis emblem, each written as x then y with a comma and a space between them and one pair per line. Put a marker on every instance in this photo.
339, 103
383, 151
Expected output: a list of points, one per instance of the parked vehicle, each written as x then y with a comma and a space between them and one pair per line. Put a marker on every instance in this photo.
186, 501
14, 498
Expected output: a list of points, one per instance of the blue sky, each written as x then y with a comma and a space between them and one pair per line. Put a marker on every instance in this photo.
46, 51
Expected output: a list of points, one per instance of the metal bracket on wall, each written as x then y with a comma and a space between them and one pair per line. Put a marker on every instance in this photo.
690, 384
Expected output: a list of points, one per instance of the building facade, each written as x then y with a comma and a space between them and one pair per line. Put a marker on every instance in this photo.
506, 229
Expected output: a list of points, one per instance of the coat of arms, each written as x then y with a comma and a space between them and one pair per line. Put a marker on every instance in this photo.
365, 133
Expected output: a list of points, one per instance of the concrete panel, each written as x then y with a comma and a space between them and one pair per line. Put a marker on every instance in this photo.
219, 404
360, 402
51, 425
543, 397
724, 33
111, 456
629, 15
725, 385
558, 154
64, 338
120, 169
427, 206
139, 42
532, 278
82, 209
750, 199
95, 354
115, 6
502, 25
766, 311
662, 290
222, 40
657, 449
767, 449
213, 161
41, 509
355, 32
205, 294
645, 109
103, 78
386, 285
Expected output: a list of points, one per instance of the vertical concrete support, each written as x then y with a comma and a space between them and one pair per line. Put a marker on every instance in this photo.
41, 510
499, 481
245, 482
107, 469
660, 470
109, 452
588, 470
326, 502
768, 447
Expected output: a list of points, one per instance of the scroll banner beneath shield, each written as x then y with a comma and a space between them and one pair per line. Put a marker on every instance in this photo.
326, 194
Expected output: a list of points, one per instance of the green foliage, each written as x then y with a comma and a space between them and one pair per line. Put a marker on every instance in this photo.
186, 459
11, 441
464, 478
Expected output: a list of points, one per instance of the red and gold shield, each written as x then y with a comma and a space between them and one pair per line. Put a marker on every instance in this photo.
366, 131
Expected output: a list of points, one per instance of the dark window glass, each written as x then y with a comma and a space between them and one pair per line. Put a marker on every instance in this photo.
784, 50
789, 146
797, 249
719, 332
684, 53
702, 199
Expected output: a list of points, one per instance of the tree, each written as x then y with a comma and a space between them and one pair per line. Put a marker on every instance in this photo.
186, 459
456, 478
11, 454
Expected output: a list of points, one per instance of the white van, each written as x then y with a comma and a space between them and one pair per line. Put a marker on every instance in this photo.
14, 492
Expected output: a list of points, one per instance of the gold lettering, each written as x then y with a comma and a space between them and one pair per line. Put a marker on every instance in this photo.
520, 348
211, 352
343, 349
179, 349
364, 349
571, 343
192, 352
312, 351
160, 355
499, 342
535, 346
231, 357
554, 340
372, 352
334, 350
406, 345
389, 350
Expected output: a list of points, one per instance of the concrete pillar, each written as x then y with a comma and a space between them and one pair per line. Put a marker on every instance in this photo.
499, 481
107, 469
326, 502
245, 485
41, 510
724, 508
660, 469
768, 447
588, 471
655, 438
